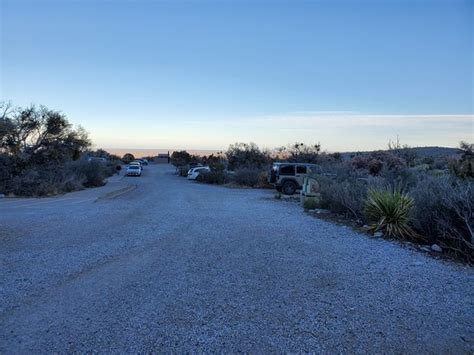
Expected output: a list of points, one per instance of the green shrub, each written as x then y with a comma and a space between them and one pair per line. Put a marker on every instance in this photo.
57, 179
217, 177
247, 177
243, 155
6, 173
389, 210
343, 194
44, 182
92, 174
310, 204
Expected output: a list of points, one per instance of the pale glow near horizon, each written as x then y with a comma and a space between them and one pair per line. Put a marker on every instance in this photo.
336, 131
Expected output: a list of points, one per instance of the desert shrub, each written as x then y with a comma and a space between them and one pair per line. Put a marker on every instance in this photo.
375, 162
218, 177
217, 165
444, 212
372, 165
243, 155
251, 177
345, 197
300, 153
213, 160
44, 182
53, 179
310, 204
389, 210
407, 154
56, 179
263, 180
463, 167
92, 174
343, 191
247, 177
6, 173
404, 177
182, 170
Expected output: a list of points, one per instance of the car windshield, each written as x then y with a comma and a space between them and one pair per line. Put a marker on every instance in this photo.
133, 167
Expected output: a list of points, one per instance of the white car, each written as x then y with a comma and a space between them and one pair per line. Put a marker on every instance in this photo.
193, 173
134, 170
136, 163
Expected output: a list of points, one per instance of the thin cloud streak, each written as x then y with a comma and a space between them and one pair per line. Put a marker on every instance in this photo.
310, 120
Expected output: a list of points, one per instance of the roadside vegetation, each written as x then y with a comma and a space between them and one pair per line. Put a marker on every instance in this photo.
42, 153
397, 193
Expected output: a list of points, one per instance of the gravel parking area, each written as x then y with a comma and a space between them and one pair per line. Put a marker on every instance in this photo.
177, 266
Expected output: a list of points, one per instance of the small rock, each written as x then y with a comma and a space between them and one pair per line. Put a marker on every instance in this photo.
425, 248
436, 248
321, 210
378, 235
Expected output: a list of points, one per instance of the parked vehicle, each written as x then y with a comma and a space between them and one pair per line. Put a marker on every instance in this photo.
288, 177
143, 161
136, 163
134, 170
193, 173
195, 165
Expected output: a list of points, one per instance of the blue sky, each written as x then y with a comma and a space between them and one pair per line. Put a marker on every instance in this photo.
204, 74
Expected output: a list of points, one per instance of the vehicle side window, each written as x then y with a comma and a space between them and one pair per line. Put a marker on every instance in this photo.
288, 170
301, 169
314, 170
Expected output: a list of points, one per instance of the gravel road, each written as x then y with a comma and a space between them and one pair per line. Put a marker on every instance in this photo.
176, 266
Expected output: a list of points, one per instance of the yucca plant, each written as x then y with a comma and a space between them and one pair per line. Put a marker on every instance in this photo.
389, 211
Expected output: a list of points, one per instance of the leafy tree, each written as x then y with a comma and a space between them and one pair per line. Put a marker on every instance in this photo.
39, 135
246, 155
40, 151
181, 158
128, 157
301, 153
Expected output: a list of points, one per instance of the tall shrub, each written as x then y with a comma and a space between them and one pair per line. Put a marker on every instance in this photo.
444, 212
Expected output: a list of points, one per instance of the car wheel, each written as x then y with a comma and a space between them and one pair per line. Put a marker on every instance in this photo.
289, 188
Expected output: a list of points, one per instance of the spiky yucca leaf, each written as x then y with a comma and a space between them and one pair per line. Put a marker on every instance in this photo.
389, 210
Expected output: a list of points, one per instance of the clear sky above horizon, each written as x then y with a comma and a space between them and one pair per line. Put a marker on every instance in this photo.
205, 74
